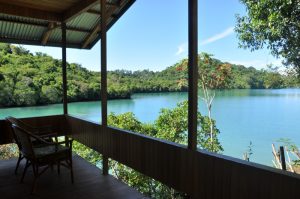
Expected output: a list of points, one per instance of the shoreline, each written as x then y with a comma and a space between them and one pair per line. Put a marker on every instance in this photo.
146, 92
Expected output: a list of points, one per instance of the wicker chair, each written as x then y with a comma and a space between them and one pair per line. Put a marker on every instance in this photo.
45, 155
46, 132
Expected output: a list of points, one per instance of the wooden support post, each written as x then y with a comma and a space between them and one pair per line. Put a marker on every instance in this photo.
64, 67
193, 73
104, 77
105, 165
282, 158
47, 33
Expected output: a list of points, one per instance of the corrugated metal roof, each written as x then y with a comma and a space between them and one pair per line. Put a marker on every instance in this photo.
72, 36
22, 30
21, 19
18, 30
85, 21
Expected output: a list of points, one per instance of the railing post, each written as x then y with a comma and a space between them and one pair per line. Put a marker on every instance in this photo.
104, 78
64, 67
282, 158
193, 74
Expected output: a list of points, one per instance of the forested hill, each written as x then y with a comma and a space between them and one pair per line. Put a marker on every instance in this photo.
28, 79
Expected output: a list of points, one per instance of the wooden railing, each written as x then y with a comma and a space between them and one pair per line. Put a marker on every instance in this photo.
58, 122
200, 174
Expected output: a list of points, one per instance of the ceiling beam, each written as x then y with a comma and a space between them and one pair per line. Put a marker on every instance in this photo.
97, 28
98, 13
22, 11
47, 33
78, 29
7, 39
80, 7
113, 4
95, 12
89, 38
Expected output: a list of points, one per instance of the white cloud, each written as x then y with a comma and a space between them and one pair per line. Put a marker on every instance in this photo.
182, 48
218, 36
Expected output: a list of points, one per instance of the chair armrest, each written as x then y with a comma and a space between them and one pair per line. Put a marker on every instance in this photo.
68, 142
49, 136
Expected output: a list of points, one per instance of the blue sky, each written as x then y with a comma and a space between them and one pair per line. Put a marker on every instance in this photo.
153, 35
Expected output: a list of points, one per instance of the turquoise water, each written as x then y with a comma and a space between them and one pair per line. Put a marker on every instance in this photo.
260, 116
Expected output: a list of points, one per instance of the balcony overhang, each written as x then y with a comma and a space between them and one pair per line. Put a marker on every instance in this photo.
39, 22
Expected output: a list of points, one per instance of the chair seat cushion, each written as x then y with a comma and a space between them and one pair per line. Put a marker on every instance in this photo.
49, 150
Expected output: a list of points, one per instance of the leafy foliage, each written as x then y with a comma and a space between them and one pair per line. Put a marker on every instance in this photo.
8, 151
288, 143
274, 24
87, 153
222, 75
27, 79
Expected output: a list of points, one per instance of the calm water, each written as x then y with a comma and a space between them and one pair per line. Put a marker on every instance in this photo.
260, 116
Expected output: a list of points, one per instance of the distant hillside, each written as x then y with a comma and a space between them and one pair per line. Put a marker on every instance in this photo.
28, 79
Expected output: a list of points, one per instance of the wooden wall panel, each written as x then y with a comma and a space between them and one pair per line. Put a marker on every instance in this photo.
217, 176
87, 133
200, 174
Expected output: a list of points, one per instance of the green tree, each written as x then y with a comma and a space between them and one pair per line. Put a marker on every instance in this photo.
274, 24
291, 79
5, 47
273, 79
212, 72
